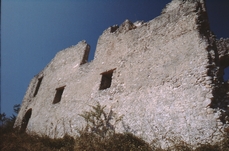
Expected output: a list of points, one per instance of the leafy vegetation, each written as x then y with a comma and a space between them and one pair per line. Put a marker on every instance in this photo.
98, 135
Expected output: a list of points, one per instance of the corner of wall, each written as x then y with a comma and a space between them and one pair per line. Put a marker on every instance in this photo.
222, 47
27, 100
76, 54
221, 87
85, 55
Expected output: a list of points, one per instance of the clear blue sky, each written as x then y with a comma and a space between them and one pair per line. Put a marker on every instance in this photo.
33, 31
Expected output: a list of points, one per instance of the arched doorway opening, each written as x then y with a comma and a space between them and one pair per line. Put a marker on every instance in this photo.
25, 120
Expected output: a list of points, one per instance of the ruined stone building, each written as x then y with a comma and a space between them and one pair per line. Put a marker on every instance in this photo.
165, 77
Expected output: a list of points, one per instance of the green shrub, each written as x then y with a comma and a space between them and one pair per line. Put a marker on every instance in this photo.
99, 133
99, 122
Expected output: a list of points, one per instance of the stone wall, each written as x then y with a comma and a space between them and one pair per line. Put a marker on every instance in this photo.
165, 74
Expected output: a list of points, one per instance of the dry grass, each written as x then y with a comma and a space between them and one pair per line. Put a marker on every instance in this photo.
14, 141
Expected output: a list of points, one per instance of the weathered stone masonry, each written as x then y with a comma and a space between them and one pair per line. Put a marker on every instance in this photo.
164, 76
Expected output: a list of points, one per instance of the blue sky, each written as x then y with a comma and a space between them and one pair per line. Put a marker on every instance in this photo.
33, 31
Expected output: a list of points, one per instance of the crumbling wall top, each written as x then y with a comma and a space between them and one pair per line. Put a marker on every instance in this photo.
223, 50
77, 54
179, 4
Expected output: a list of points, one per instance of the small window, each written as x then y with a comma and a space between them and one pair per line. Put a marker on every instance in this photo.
38, 86
59, 92
106, 79
226, 74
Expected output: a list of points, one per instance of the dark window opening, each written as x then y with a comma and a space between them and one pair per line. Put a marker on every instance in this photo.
106, 79
25, 120
59, 92
38, 86
226, 74
224, 64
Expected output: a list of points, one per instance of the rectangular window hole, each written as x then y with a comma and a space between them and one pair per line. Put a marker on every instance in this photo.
106, 79
38, 86
58, 95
